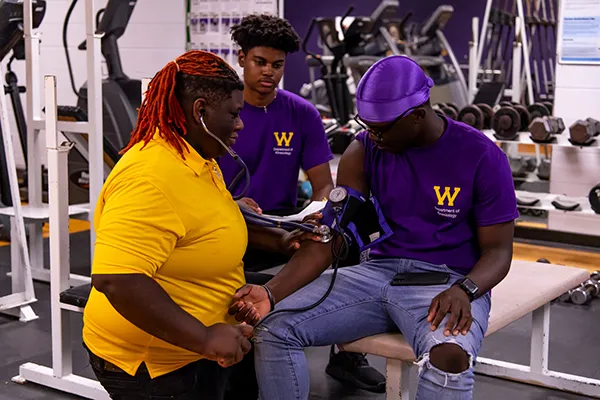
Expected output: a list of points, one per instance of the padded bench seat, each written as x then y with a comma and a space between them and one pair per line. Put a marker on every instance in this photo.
76, 296
528, 287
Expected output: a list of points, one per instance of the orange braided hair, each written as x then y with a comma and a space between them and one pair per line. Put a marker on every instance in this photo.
161, 108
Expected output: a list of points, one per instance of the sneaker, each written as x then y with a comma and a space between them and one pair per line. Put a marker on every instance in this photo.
353, 368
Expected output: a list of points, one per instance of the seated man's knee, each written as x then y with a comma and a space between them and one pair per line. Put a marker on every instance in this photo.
450, 357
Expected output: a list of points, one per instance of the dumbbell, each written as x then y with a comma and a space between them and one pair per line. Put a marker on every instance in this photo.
566, 296
448, 111
544, 260
452, 106
595, 276
538, 110
506, 123
594, 198
473, 116
585, 292
542, 129
548, 105
582, 132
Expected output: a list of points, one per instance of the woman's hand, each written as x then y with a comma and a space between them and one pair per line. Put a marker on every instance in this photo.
227, 344
249, 204
250, 303
291, 241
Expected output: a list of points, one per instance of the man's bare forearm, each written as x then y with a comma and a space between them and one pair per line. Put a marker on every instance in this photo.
491, 269
322, 193
263, 238
304, 267
161, 317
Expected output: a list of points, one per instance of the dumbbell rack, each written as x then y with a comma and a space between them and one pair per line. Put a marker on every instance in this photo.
546, 199
525, 138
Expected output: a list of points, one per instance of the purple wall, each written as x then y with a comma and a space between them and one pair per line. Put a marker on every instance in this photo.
300, 13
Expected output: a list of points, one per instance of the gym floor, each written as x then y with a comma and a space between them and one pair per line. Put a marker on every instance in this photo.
574, 333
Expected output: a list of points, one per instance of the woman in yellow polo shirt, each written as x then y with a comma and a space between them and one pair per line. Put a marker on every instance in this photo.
170, 242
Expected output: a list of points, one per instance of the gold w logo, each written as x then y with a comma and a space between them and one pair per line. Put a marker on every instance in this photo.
446, 195
284, 139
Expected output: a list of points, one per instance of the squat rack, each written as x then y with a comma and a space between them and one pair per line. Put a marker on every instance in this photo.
36, 213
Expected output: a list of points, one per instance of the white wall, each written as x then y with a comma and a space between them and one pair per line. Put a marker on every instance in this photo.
156, 34
575, 170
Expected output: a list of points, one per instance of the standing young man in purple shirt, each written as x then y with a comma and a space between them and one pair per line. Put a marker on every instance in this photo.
447, 193
282, 134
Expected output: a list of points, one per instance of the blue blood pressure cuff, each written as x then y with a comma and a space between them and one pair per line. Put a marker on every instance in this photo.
349, 212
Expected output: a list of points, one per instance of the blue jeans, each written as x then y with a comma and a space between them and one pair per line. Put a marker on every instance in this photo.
362, 303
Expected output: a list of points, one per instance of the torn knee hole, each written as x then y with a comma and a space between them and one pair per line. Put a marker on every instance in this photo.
450, 357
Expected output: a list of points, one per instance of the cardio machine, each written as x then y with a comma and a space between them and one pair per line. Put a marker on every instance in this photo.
364, 39
121, 98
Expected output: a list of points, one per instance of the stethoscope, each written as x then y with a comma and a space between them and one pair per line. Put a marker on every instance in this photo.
322, 230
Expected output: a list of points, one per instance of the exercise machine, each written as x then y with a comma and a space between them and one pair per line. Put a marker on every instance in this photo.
121, 98
346, 46
120, 94
367, 39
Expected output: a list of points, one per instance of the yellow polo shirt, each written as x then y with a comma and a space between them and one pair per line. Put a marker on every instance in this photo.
172, 220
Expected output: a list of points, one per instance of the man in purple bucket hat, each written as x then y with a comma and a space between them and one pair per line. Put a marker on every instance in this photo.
447, 193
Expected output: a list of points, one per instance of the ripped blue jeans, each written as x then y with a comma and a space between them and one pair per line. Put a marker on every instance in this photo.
361, 304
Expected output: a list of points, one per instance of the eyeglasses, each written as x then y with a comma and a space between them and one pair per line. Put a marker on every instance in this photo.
380, 132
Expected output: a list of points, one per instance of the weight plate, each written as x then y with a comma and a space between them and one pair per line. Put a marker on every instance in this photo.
505, 104
581, 132
524, 115
449, 112
506, 123
548, 105
472, 116
538, 110
453, 106
595, 198
488, 114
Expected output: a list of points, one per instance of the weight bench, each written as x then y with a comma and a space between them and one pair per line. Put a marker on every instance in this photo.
528, 288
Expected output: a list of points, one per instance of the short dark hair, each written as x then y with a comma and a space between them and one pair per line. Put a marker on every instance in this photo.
265, 31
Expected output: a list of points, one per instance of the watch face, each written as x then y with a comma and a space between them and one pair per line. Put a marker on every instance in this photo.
469, 286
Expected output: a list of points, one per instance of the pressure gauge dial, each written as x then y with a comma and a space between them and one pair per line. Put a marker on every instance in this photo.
338, 194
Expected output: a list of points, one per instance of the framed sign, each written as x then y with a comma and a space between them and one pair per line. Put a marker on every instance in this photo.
579, 32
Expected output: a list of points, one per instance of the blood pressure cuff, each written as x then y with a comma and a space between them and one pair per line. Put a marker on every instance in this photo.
357, 217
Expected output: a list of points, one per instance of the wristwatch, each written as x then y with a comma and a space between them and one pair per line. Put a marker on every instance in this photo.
470, 288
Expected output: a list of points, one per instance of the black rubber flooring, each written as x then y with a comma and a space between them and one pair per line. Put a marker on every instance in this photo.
574, 348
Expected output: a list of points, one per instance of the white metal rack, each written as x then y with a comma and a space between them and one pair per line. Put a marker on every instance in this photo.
60, 376
18, 303
35, 212
521, 54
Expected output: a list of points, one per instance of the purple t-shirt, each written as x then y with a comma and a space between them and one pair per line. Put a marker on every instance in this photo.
435, 197
274, 145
